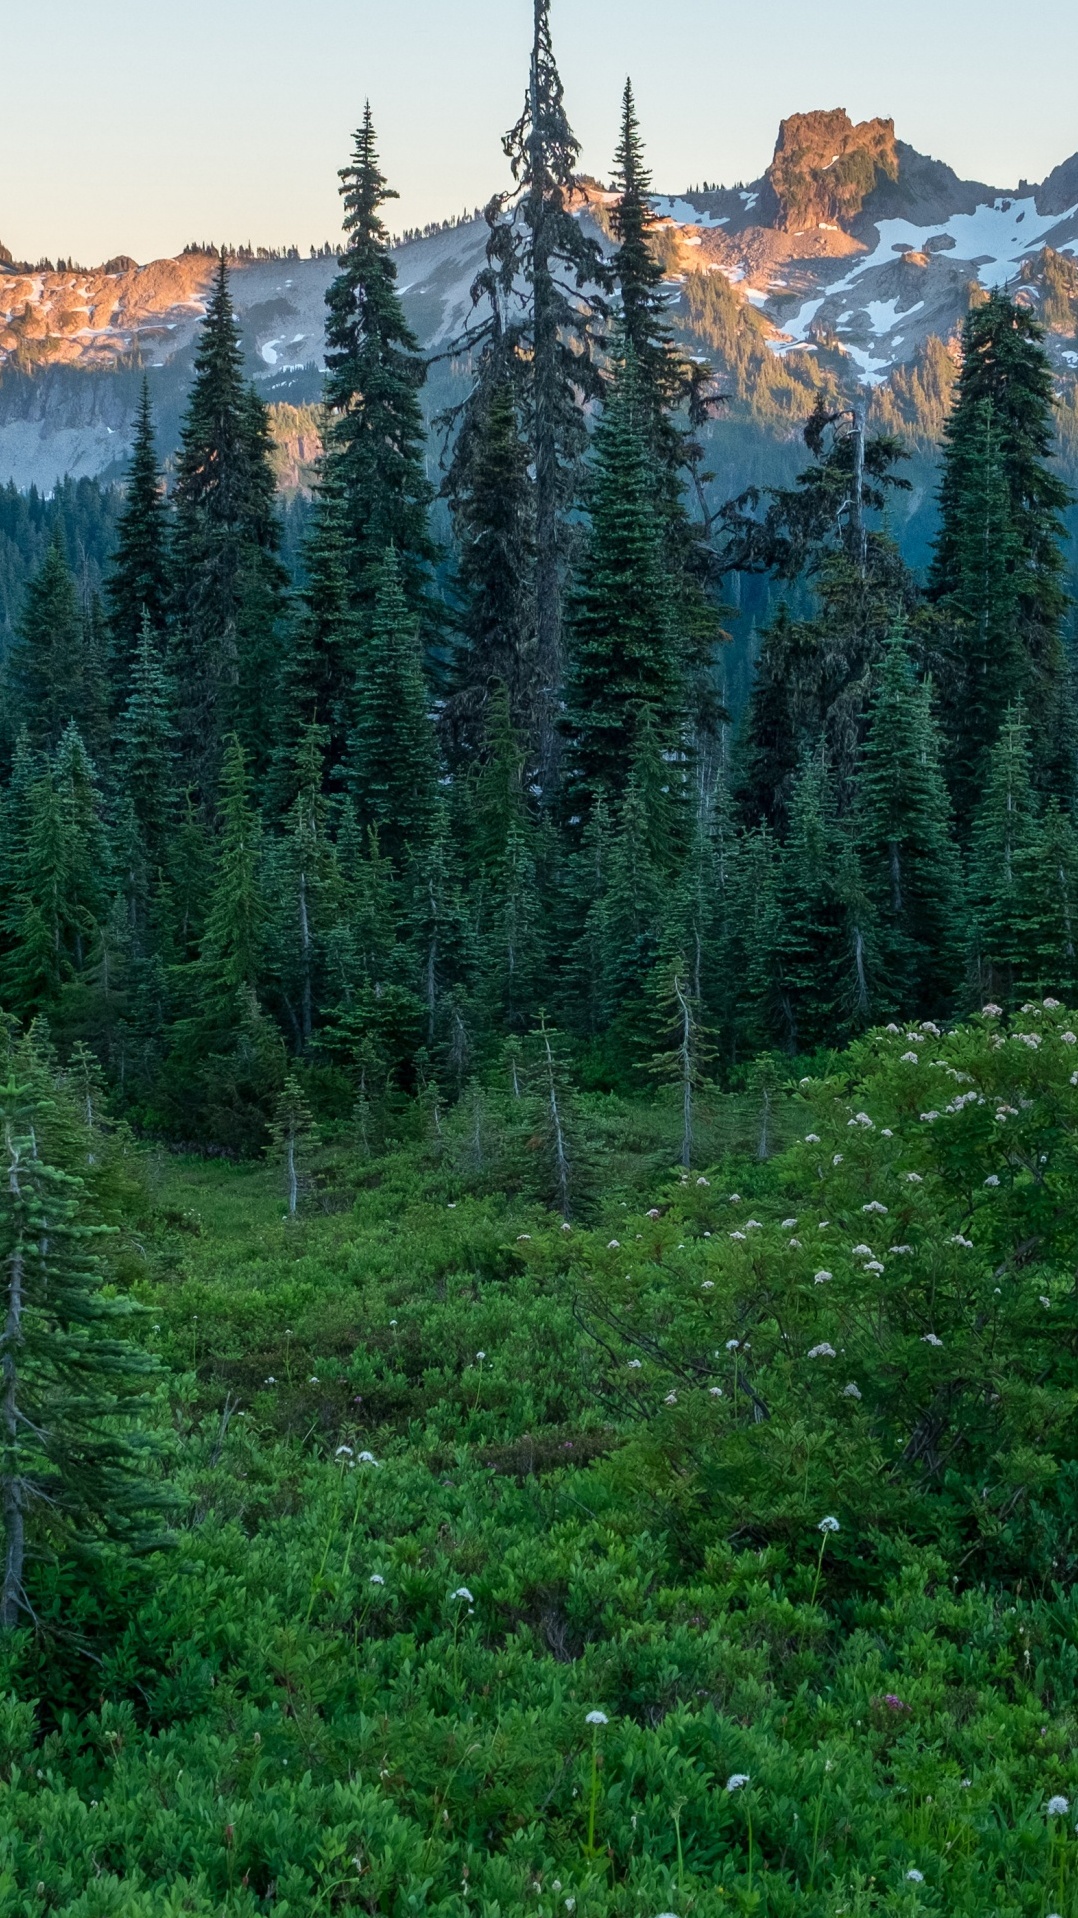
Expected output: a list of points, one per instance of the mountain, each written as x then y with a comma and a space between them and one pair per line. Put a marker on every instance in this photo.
849, 263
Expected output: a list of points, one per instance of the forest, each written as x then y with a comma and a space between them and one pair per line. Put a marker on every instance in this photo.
538, 1216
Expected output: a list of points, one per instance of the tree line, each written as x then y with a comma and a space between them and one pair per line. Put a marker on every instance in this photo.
374, 834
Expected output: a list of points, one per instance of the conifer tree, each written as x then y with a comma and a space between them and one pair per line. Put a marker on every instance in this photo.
147, 745
908, 855
683, 1059
138, 584
295, 1136
504, 867
58, 879
1003, 846
549, 345
374, 488
73, 1462
1051, 940
998, 554
492, 501
232, 948
306, 894
821, 946
625, 655
47, 669
392, 765
228, 577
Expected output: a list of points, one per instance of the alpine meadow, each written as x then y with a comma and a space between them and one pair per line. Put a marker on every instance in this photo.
539, 1061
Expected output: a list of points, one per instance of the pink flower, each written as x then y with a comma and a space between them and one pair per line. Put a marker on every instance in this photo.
894, 1703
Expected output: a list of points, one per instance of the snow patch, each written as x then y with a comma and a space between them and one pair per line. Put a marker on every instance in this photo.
683, 213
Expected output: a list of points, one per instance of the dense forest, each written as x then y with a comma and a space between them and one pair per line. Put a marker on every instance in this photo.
399, 940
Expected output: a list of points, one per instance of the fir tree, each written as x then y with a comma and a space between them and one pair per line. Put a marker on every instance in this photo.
138, 585
492, 501
146, 745
625, 656
998, 554
373, 480
908, 855
306, 894
229, 580
73, 1465
47, 669
820, 950
549, 345
1003, 846
392, 766
232, 946
295, 1136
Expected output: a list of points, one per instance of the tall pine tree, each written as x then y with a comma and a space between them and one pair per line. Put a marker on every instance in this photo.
229, 581
392, 764
998, 569
138, 585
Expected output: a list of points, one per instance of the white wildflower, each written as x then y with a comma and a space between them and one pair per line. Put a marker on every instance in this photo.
862, 1252
812, 1138
928, 1117
1051, 1005
887, 1133
991, 1012
735, 1198
654, 1212
873, 1266
828, 1525
873, 1206
914, 1178
915, 1877
613, 1245
752, 1225
376, 1579
1046, 1302
736, 1780
716, 1391
909, 1058
893, 1029
931, 1339
596, 1718
707, 1285
796, 1243
837, 1159
463, 1592
703, 1181
822, 1277
823, 1352
367, 1458
670, 1399
522, 1237
737, 1235
635, 1364
733, 1345
898, 1250
992, 1179
957, 1239
851, 1391
343, 1451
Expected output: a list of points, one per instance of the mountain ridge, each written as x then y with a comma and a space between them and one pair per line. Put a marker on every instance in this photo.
850, 254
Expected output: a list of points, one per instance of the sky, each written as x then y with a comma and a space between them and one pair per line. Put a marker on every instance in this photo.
134, 128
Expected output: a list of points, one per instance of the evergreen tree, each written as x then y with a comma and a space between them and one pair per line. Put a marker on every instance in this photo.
303, 884
492, 501
625, 656
229, 579
47, 668
232, 948
548, 343
73, 1463
392, 765
911, 868
374, 489
58, 879
146, 745
998, 556
1003, 847
820, 950
295, 1136
138, 585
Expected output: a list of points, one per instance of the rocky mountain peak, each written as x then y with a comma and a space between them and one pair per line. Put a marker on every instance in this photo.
825, 167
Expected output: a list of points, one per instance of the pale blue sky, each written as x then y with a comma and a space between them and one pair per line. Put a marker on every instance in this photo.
135, 127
